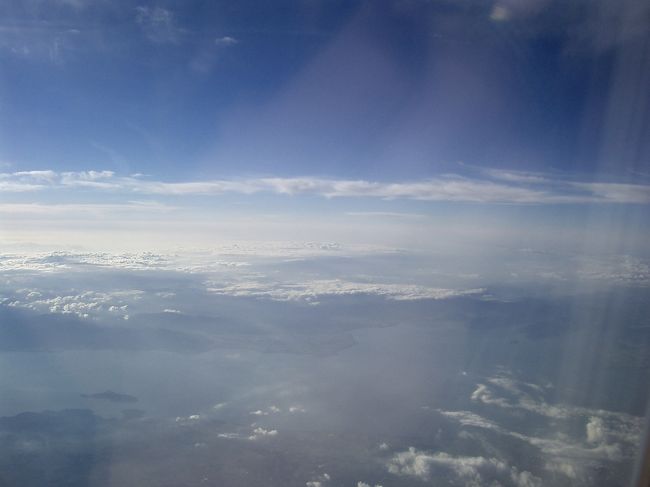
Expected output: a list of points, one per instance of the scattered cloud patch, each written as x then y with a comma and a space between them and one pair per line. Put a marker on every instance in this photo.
226, 41
187, 420
319, 481
465, 470
87, 304
608, 436
229, 436
260, 432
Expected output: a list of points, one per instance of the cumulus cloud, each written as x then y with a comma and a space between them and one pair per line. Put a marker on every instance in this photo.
524, 479
595, 430
192, 262
608, 436
470, 471
188, 420
58, 260
85, 304
219, 257
319, 481
260, 432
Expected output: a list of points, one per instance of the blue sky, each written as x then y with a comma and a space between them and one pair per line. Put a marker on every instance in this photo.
405, 106
415, 229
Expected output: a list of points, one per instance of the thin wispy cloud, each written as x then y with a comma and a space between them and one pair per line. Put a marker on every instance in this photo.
225, 41
158, 24
501, 187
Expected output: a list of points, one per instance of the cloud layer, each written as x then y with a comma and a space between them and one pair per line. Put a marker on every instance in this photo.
490, 187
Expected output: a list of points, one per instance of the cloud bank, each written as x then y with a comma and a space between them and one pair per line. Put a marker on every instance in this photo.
490, 187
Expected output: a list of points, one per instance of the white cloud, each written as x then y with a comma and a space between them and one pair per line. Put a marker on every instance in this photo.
522, 399
260, 432
65, 261
95, 210
229, 436
621, 269
516, 176
467, 418
469, 470
595, 430
319, 481
270, 410
47, 176
220, 257
504, 187
87, 304
158, 24
312, 290
524, 479
385, 214
609, 436
616, 192
565, 468
483, 394
226, 41
187, 420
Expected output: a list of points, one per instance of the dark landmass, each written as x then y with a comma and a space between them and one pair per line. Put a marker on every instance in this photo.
111, 396
128, 414
25, 331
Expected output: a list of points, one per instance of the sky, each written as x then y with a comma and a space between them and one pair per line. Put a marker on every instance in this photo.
394, 107
324, 243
